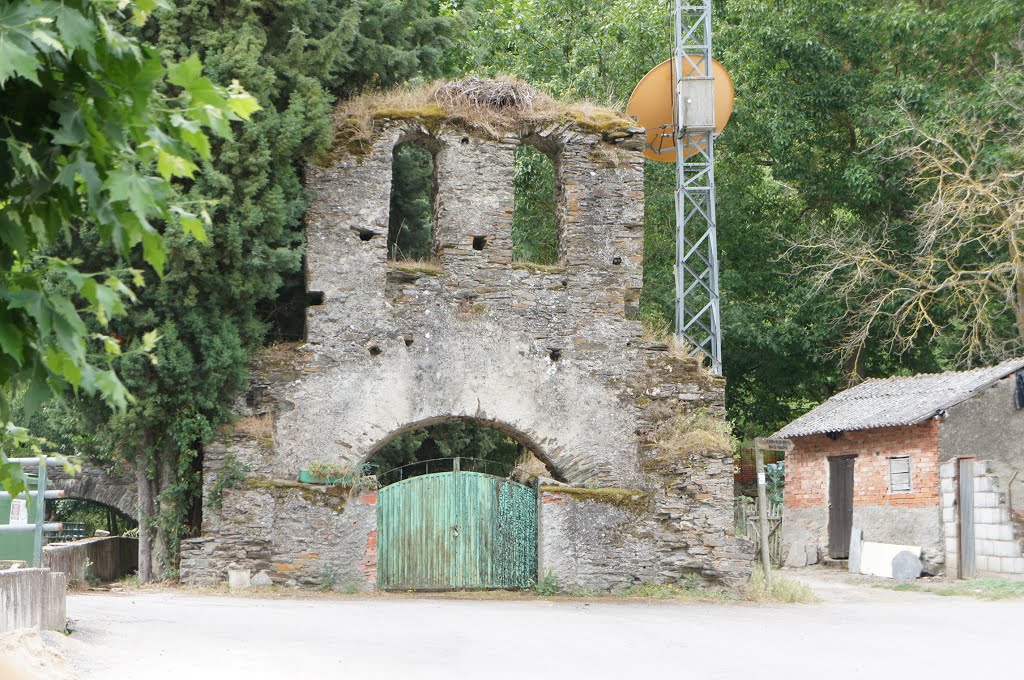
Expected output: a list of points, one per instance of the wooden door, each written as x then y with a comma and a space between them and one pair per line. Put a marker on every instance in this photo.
456, 530
965, 500
840, 505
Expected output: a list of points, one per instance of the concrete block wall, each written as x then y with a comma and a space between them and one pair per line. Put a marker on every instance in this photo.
32, 598
998, 543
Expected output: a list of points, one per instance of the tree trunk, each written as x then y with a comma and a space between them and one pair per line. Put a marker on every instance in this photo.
162, 541
146, 513
1017, 258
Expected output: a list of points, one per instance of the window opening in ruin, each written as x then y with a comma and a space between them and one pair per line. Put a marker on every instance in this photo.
479, 242
535, 212
413, 186
82, 518
433, 448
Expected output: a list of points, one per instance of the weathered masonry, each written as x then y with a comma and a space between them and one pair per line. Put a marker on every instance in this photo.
548, 354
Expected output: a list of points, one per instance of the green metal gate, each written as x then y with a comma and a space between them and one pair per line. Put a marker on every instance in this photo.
454, 530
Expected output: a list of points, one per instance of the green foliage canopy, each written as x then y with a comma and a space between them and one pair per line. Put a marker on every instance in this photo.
93, 130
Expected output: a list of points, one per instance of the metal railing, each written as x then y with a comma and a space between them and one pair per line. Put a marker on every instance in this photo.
40, 494
432, 465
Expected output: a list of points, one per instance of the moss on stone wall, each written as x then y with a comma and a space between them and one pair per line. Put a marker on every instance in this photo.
333, 497
630, 499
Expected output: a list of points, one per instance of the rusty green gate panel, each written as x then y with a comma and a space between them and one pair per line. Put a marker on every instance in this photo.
454, 530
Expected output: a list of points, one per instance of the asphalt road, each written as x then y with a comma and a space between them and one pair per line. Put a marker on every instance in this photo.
858, 632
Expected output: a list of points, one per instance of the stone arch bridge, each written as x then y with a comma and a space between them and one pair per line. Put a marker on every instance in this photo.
94, 484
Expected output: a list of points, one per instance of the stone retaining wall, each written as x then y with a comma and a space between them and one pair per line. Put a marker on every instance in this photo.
106, 558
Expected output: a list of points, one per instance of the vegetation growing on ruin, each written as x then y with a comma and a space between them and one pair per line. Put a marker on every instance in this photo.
232, 475
630, 499
493, 107
680, 437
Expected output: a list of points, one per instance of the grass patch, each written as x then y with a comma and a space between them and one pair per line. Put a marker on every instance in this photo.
257, 427
688, 591
495, 107
699, 432
981, 588
985, 589
907, 587
784, 589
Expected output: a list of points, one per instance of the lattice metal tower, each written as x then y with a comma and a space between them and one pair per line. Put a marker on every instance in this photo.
698, 319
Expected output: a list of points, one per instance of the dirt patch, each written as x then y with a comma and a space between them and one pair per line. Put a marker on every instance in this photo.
28, 654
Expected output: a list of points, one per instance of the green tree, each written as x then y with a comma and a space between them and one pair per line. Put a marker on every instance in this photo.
94, 128
460, 438
821, 86
411, 218
217, 301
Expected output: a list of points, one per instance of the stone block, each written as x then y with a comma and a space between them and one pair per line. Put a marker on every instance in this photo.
906, 567
952, 545
238, 579
856, 547
982, 484
812, 553
797, 555
947, 485
261, 579
948, 515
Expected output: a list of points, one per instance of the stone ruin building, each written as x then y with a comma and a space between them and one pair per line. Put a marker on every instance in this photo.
550, 355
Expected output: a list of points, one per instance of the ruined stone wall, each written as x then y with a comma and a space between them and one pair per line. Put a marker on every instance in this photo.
549, 354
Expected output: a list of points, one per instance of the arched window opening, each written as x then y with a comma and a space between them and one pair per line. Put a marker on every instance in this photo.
83, 518
535, 213
413, 186
434, 448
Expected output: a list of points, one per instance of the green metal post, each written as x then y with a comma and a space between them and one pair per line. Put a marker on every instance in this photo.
37, 548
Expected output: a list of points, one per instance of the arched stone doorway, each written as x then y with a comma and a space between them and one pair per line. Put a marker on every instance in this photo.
456, 507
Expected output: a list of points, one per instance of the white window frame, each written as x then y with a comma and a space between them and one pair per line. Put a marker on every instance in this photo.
909, 472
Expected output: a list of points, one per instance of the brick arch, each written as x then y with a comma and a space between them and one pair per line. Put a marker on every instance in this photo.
524, 439
94, 484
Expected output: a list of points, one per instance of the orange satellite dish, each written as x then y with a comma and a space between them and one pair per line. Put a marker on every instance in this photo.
652, 104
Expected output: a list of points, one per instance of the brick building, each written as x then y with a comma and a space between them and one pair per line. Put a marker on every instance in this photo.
934, 460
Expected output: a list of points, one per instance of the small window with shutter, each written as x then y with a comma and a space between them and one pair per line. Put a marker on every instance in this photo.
899, 474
